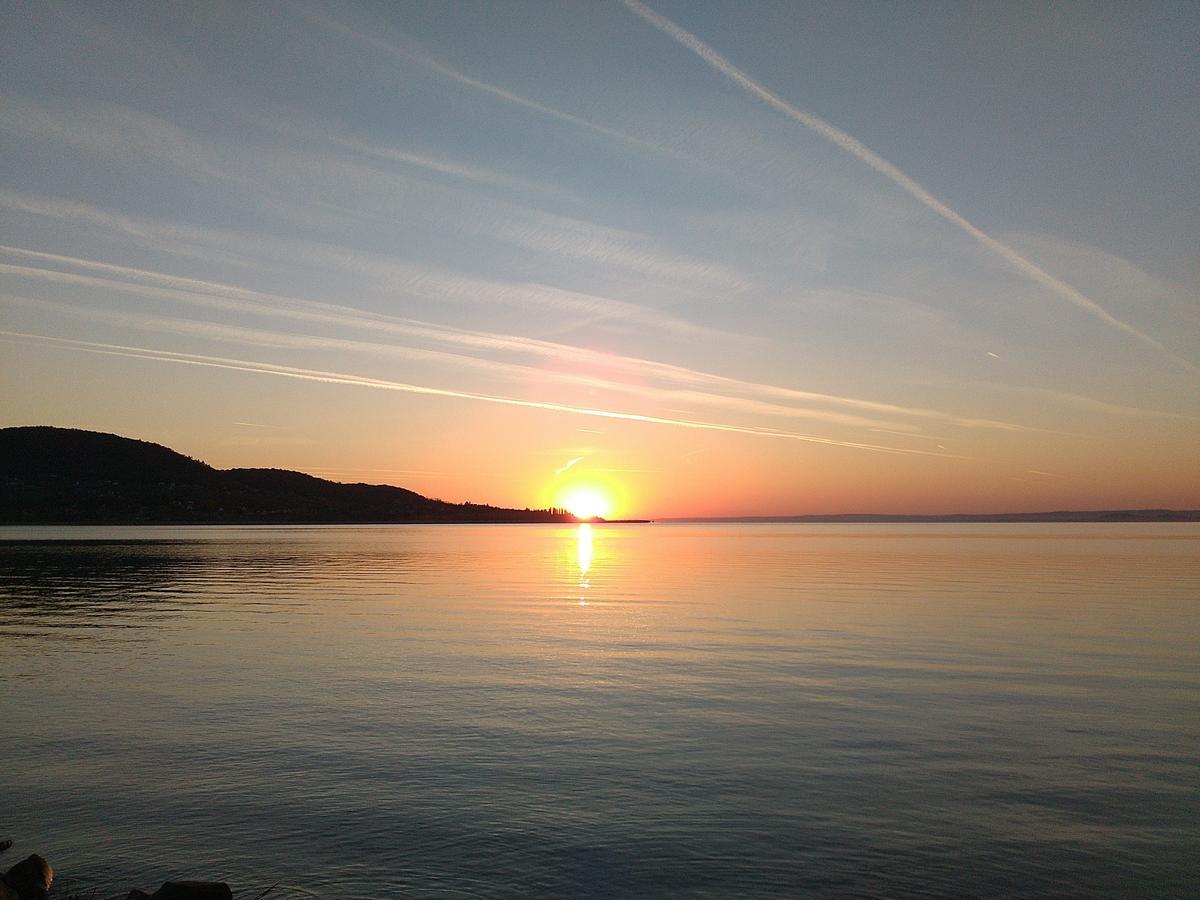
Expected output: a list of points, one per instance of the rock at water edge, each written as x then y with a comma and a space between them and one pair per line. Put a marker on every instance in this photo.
30, 878
193, 890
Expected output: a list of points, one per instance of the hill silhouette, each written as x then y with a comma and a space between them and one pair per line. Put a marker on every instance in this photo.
71, 476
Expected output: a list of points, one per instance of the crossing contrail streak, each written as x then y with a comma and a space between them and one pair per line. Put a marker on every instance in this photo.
855, 147
569, 463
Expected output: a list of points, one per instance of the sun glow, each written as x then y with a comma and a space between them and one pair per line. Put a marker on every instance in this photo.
587, 503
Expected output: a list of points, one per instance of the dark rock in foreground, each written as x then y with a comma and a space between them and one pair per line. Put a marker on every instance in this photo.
30, 879
186, 890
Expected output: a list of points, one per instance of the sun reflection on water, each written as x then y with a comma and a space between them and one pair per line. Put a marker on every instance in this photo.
584, 542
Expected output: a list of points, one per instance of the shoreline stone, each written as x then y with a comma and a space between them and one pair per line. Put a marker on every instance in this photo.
30, 879
186, 890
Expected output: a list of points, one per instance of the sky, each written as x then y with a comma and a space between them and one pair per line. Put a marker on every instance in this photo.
696, 258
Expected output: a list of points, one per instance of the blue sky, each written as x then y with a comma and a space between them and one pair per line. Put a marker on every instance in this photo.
832, 255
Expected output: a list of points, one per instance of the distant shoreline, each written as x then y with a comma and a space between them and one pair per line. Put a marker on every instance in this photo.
1104, 516
1134, 517
59, 477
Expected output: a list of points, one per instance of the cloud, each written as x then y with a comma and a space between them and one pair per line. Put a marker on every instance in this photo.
155, 285
127, 134
289, 183
413, 55
432, 284
326, 377
286, 126
414, 280
172, 239
263, 339
856, 148
1086, 403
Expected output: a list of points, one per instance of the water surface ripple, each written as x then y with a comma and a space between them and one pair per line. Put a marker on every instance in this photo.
634, 711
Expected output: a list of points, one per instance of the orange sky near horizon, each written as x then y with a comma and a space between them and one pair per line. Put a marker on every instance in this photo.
471, 451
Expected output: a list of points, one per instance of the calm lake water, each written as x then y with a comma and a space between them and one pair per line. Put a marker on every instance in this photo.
626, 711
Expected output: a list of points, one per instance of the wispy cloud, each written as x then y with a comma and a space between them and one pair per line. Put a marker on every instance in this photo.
264, 339
413, 55
128, 134
1090, 404
226, 296
315, 375
440, 165
422, 281
172, 239
856, 148
215, 295
289, 182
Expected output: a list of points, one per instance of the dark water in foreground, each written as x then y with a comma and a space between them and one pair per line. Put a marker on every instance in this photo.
624, 711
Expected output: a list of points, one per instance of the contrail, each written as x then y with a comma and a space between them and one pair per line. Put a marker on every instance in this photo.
273, 339
226, 296
423, 58
569, 463
855, 147
261, 368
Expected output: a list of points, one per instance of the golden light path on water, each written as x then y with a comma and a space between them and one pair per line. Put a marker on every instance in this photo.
584, 547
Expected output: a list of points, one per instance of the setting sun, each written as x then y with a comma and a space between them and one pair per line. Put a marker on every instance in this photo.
587, 503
